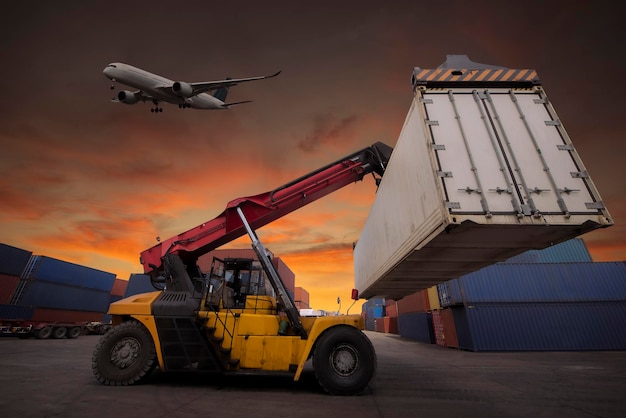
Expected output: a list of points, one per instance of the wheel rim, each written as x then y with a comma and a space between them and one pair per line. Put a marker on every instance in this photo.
125, 351
344, 360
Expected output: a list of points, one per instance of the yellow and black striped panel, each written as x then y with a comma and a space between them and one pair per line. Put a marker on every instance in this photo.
443, 77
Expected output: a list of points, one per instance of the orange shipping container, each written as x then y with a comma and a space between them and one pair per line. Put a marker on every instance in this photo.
391, 309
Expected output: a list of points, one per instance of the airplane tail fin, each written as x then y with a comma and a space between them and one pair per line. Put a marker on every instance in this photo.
220, 94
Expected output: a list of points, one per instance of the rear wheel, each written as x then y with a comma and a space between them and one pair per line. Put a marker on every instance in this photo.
344, 361
59, 332
125, 355
43, 333
73, 332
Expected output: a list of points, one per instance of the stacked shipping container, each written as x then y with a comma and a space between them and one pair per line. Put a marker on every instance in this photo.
542, 305
41, 288
373, 309
415, 313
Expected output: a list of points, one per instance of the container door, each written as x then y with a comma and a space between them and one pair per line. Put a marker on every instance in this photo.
503, 152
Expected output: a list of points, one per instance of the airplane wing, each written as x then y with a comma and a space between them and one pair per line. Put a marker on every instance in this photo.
203, 87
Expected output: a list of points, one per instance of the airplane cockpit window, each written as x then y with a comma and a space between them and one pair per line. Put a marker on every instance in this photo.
112, 65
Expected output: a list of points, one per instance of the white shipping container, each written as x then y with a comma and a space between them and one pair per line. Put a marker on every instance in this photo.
483, 170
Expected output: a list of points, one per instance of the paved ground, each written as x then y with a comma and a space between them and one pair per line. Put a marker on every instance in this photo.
52, 378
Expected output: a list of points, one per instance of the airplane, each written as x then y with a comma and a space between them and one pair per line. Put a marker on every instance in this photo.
154, 88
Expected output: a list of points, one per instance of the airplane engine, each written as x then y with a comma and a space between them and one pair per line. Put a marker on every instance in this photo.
127, 97
182, 89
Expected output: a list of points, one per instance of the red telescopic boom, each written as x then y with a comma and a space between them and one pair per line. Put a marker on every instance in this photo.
264, 208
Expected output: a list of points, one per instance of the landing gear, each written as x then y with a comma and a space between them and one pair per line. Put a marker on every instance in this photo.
113, 84
156, 108
183, 105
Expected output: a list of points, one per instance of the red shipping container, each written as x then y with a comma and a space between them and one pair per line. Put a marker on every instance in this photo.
8, 284
416, 302
449, 329
119, 287
301, 298
391, 309
60, 315
379, 324
438, 329
391, 325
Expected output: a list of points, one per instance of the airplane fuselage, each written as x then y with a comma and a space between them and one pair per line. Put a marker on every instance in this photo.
158, 87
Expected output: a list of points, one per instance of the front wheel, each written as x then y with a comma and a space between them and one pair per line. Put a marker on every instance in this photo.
125, 355
344, 361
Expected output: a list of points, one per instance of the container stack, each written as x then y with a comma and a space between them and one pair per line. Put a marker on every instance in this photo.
40, 288
373, 309
63, 291
555, 299
415, 315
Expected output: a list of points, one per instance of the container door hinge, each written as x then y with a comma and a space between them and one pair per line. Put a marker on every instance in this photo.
426, 101
540, 101
444, 173
565, 147
595, 205
453, 205
553, 122
432, 122
439, 147
579, 174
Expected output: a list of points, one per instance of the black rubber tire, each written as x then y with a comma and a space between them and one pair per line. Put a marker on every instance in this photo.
43, 333
125, 355
59, 332
74, 332
344, 361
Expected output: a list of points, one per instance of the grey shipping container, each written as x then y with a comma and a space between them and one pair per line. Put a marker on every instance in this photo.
44, 294
483, 170
542, 326
53, 270
13, 260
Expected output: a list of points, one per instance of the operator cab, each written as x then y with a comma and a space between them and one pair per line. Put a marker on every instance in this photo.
236, 283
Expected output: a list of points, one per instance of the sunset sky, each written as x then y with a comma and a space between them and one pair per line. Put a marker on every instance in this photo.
94, 182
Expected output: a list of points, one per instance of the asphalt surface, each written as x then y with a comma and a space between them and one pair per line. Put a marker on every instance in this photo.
53, 378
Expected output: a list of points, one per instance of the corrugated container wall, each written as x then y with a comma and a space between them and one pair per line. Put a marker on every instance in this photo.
137, 284
417, 326
43, 294
15, 312
483, 170
61, 315
119, 287
62, 272
301, 298
563, 282
570, 251
8, 284
433, 298
543, 326
416, 302
13, 260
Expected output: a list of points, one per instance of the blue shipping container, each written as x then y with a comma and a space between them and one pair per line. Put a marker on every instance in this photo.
370, 303
417, 326
576, 282
63, 272
16, 312
137, 284
544, 326
450, 293
571, 251
43, 294
13, 260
